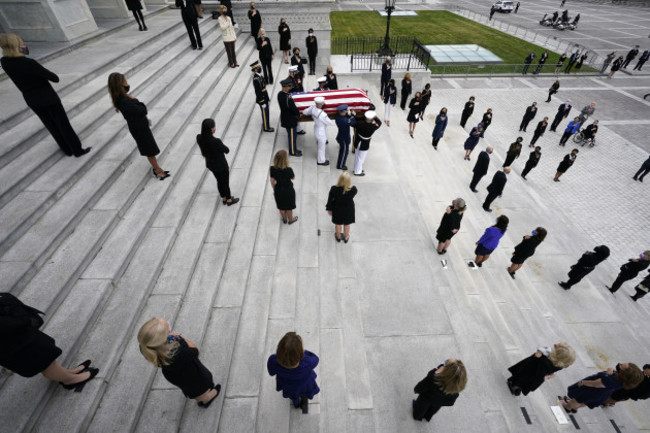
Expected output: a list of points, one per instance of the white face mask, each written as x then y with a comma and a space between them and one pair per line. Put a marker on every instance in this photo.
311, 34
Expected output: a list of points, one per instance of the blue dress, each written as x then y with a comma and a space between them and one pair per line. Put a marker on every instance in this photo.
441, 125
472, 140
295, 382
594, 397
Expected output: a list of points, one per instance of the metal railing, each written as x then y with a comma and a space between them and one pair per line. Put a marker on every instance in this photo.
547, 41
348, 46
500, 70
416, 57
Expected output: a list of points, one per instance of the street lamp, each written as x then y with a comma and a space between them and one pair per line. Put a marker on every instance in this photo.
385, 50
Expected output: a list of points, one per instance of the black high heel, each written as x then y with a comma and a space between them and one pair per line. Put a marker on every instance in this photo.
85, 365
80, 385
206, 405
159, 177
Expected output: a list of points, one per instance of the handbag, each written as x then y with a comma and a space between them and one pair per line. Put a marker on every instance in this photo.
12, 306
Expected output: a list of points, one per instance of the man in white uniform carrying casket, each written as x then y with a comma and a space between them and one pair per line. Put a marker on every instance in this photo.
321, 122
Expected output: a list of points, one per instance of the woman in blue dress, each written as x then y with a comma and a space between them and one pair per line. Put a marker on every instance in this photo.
472, 140
293, 367
441, 125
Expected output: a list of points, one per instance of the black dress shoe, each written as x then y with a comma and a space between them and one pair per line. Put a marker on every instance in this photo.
323, 163
301, 132
345, 167
563, 285
360, 174
487, 210
474, 190
232, 201
83, 152
269, 130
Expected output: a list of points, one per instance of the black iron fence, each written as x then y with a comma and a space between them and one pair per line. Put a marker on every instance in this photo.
348, 46
408, 53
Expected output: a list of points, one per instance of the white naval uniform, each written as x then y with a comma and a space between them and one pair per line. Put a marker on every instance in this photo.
321, 122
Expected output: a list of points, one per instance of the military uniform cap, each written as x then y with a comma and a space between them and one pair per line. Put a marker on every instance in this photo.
319, 100
342, 107
256, 65
322, 79
293, 68
286, 83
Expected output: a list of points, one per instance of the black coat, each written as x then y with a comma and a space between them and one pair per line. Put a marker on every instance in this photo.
266, 51
533, 159
33, 80
631, 269
188, 10
331, 82
430, 398
469, 109
299, 62
288, 111
135, 114
256, 22
407, 87
498, 183
186, 371
487, 119
528, 374
541, 128
214, 152
525, 249
448, 223
341, 205
585, 264
482, 163
312, 46
563, 110
566, 163
530, 113
386, 72
646, 163
285, 37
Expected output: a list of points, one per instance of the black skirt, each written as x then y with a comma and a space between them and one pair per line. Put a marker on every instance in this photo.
133, 5
33, 358
143, 137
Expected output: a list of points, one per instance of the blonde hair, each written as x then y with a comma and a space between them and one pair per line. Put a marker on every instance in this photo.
10, 44
453, 377
259, 33
281, 160
223, 8
152, 338
345, 182
562, 355
407, 76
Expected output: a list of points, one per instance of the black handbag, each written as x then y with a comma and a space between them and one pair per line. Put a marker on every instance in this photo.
12, 306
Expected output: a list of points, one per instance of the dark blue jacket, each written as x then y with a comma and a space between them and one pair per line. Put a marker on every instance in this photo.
441, 125
344, 123
295, 382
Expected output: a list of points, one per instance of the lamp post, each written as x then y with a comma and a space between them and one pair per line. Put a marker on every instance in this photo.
385, 50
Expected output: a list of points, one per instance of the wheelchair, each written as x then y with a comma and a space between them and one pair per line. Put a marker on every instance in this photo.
581, 139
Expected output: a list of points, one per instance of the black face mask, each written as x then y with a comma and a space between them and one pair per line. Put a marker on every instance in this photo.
127, 88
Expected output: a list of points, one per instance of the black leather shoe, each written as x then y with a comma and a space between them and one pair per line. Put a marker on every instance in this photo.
232, 201
301, 133
269, 130
323, 163
83, 152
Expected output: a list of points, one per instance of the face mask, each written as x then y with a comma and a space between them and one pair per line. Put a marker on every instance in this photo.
127, 88
641, 256
311, 34
534, 233
223, 12
24, 49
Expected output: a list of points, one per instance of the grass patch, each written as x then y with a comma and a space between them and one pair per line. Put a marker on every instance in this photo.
437, 27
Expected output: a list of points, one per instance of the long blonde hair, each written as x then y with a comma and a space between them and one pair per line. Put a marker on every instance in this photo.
10, 44
152, 338
281, 160
453, 377
562, 355
345, 182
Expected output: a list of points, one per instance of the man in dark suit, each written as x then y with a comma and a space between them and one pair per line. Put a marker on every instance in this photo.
541, 62
527, 61
188, 13
481, 167
261, 95
386, 74
289, 116
630, 270
645, 168
529, 115
495, 189
562, 112
312, 51
631, 55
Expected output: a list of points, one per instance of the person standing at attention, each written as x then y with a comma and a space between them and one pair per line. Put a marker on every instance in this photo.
179, 361
529, 115
426, 99
362, 140
255, 19
525, 249
530, 373
312, 50
214, 152
517, 7
441, 125
330, 79
439, 388
33, 80
560, 63
527, 61
489, 241
472, 140
135, 114
228, 5
135, 6
190, 18
289, 115
630, 270
562, 113
281, 178
541, 62
645, 169
487, 121
539, 131
571, 128
533, 160
266, 55
386, 75
450, 224
618, 63
481, 167
294, 367
414, 112
298, 61
340, 206
321, 122
343, 122
261, 95
467, 111
513, 152
608, 61
553, 89
639, 65
285, 40
407, 88
228, 36
390, 98
566, 163
586, 264
631, 55
495, 188
492, 11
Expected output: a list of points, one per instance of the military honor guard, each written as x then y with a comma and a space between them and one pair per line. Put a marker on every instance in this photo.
362, 140
344, 120
322, 84
321, 122
289, 116
296, 79
261, 95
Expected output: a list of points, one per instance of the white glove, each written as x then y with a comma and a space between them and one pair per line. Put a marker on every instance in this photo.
263, 105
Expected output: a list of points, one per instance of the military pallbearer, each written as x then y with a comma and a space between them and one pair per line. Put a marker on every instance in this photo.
261, 95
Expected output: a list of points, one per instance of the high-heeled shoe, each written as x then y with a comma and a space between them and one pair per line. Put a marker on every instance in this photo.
164, 176
206, 405
85, 365
80, 385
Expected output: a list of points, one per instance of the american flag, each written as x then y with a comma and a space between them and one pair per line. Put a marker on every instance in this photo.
356, 99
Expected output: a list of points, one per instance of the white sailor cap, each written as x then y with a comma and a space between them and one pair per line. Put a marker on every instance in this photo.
293, 68
322, 79
319, 100
370, 114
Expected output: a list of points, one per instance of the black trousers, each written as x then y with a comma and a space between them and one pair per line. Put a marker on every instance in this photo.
402, 101
489, 199
463, 119
524, 124
535, 138
230, 52
223, 180
642, 172
192, 26
556, 122
527, 169
229, 13
56, 121
475, 180
509, 160
626, 63
267, 70
525, 70
435, 141
619, 282
565, 137
312, 64
538, 68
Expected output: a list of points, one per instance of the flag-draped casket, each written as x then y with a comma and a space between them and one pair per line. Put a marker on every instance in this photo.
356, 99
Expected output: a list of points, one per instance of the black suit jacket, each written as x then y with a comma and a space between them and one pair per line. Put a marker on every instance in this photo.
288, 111
312, 45
214, 152
646, 163
32, 79
481, 166
564, 109
498, 183
530, 113
188, 11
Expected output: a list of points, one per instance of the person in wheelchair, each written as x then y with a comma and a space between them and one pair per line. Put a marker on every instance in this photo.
589, 133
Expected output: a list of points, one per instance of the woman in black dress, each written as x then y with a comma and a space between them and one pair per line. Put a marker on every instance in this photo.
618, 63
513, 152
414, 112
585, 265
526, 249
178, 359
214, 152
281, 181
450, 224
407, 88
27, 351
285, 39
266, 55
440, 388
256, 20
33, 80
529, 374
467, 111
533, 160
340, 206
135, 114
136, 7
566, 163
330, 76
539, 131
487, 120
426, 99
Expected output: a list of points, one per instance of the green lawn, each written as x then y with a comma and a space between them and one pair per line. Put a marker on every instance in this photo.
437, 27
